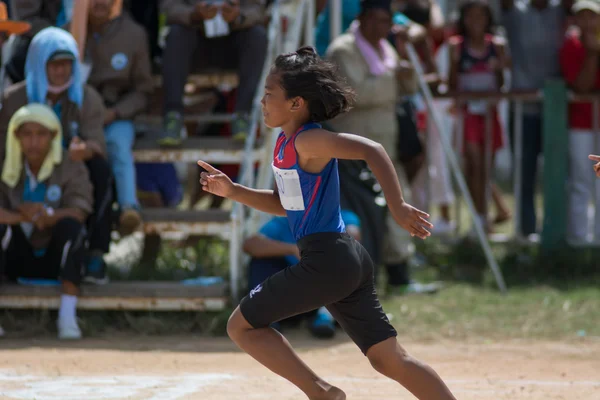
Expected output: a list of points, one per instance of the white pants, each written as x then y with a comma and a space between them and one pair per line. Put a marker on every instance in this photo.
432, 185
582, 183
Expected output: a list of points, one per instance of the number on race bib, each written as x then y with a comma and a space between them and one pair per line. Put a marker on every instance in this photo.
290, 190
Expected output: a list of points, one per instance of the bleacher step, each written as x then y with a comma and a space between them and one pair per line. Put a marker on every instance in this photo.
189, 222
142, 296
210, 149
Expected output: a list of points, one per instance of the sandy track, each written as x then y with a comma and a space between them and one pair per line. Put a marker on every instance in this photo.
178, 368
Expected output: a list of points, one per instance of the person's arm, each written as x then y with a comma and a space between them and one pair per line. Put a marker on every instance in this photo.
252, 12
454, 52
47, 219
579, 65
320, 6
260, 246
319, 144
216, 182
92, 122
177, 12
502, 61
597, 165
134, 102
76, 200
9, 217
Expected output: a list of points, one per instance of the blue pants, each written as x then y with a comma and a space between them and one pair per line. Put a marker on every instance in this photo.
119, 143
532, 148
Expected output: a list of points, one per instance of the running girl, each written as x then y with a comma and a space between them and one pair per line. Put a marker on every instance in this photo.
334, 269
477, 60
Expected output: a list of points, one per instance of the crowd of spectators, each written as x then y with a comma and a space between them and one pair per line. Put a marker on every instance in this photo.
76, 75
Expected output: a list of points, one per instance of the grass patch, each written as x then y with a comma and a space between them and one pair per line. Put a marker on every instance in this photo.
465, 311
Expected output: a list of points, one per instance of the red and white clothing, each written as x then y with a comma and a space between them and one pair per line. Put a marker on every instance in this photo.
477, 72
582, 141
572, 56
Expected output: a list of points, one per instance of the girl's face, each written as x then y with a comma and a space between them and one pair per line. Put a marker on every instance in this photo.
476, 20
276, 107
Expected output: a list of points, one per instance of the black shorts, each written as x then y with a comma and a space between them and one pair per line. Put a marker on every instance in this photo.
334, 271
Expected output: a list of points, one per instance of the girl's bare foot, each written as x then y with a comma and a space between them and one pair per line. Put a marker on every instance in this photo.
332, 394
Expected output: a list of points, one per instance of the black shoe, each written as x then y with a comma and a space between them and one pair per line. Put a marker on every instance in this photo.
95, 271
173, 125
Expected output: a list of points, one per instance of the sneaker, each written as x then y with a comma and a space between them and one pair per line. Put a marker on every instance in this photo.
68, 330
129, 221
173, 125
414, 288
239, 128
323, 326
96, 271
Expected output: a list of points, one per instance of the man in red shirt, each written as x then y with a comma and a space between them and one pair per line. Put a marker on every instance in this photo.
580, 65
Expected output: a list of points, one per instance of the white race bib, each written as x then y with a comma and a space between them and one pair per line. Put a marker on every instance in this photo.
290, 191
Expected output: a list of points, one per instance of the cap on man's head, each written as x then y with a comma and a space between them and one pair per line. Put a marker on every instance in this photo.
592, 5
385, 5
62, 55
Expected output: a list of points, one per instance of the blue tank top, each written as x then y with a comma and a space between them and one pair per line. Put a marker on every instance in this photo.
311, 201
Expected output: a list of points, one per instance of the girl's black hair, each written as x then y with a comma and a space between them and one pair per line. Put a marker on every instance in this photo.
304, 74
466, 6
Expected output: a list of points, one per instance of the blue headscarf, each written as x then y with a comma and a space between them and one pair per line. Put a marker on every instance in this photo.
47, 42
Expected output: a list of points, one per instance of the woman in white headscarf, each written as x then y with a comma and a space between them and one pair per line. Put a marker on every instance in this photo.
45, 198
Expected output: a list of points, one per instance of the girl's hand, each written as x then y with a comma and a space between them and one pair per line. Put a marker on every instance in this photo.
215, 182
597, 165
413, 220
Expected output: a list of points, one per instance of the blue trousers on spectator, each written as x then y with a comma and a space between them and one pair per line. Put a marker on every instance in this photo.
119, 143
532, 148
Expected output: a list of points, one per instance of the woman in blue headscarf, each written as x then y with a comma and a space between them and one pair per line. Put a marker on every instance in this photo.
53, 77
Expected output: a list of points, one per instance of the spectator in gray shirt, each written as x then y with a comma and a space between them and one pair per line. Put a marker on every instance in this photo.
535, 31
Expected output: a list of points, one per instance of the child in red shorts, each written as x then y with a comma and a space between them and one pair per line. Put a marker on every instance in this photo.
477, 60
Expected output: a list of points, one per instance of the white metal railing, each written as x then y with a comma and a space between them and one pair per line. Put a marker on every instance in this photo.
246, 175
456, 169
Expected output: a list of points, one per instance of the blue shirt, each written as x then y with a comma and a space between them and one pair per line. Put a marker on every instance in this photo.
311, 201
278, 229
350, 10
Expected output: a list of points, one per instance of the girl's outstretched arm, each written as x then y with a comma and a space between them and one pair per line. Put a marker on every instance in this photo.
217, 183
597, 165
324, 145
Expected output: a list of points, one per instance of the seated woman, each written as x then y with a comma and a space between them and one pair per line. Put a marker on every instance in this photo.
45, 197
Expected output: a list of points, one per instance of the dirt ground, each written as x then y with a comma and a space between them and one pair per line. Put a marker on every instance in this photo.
178, 368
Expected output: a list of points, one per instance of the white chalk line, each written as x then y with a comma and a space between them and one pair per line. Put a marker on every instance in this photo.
508, 382
46, 387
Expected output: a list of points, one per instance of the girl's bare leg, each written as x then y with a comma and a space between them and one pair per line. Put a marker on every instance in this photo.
502, 208
390, 359
271, 349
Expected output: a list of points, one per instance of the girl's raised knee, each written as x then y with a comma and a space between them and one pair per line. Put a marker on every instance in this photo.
237, 325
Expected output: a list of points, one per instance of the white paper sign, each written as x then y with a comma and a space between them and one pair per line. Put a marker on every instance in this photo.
216, 27
290, 190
